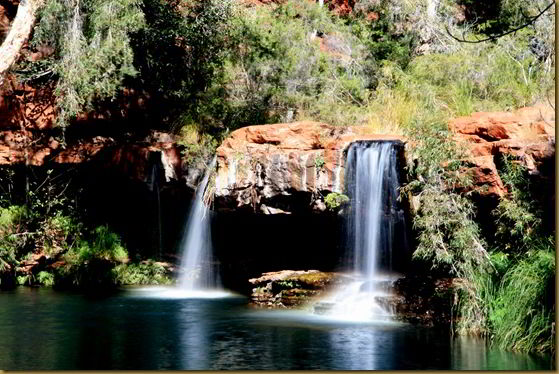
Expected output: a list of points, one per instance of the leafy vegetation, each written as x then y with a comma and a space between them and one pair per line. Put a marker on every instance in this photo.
148, 272
335, 200
92, 52
71, 254
522, 314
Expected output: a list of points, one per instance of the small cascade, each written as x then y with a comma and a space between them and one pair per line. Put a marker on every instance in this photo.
372, 186
198, 273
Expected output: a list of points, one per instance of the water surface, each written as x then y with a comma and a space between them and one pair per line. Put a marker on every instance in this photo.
44, 329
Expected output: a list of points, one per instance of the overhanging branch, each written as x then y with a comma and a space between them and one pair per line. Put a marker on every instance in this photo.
497, 36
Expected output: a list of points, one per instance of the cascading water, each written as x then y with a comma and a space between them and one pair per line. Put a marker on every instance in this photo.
197, 270
372, 186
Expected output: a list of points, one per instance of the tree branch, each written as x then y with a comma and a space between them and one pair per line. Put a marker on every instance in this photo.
493, 37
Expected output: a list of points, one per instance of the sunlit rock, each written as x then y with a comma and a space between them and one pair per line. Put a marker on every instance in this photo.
286, 167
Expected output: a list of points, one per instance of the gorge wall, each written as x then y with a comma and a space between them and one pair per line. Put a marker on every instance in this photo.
269, 188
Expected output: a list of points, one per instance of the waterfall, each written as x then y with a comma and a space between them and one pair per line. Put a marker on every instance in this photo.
197, 270
372, 184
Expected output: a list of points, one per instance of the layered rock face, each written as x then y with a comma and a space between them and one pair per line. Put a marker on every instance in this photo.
134, 160
284, 168
527, 134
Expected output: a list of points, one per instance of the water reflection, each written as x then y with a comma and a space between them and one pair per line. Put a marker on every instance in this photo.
41, 329
471, 353
193, 336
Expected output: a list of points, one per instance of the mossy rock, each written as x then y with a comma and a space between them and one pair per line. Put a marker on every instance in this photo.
315, 280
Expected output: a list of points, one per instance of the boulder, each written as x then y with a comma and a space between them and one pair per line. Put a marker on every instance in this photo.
285, 167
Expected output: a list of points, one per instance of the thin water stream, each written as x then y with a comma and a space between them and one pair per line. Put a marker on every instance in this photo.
197, 270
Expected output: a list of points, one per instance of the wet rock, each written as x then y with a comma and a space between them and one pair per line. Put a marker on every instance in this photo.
423, 300
290, 288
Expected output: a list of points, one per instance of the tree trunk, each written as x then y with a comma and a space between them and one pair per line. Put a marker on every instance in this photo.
19, 33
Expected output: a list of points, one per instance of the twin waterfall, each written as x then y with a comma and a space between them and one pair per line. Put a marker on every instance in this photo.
373, 217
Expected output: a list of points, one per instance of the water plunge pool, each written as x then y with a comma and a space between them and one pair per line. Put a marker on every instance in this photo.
42, 329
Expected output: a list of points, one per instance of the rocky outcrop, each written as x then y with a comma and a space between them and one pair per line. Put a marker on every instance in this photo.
134, 160
528, 134
286, 167
291, 288
414, 299
425, 300
8, 10
25, 106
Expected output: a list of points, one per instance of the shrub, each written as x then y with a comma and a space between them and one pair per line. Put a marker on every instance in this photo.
295, 61
104, 244
188, 40
335, 200
89, 264
45, 279
58, 233
148, 272
13, 235
93, 55
518, 215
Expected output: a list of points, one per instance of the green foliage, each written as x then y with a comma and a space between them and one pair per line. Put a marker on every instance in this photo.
521, 309
198, 146
149, 272
335, 200
519, 215
495, 17
522, 313
92, 45
90, 263
58, 233
319, 162
385, 36
104, 245
448, 235
188, 40
24, 280
285, 284
295, 61
45, 278
13, 236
